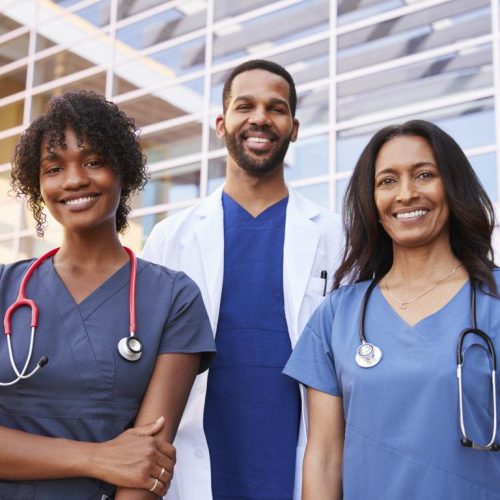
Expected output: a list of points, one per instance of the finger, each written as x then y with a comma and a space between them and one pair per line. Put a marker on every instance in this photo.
167, 449
150, 429
158, 487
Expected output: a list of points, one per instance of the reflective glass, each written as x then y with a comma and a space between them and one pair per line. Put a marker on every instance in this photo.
340, 187
216, 173
7, 252
317, 193
229, 8
453, 73
7, 23
173, 142
161, 27
485, 167
306, 64
271, 30
9, 215
419, 31
128, 8
159, 67
6, 193
349, 11
163, 104
96, 83
7, 146
172, 185
15, 48
11, 115
12, 82
313, 108
307, 158
67, 31
67, 62
471, 124
97, 14
32, 247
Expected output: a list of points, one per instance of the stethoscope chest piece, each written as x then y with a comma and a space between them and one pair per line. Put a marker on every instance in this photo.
130, 348
368, 355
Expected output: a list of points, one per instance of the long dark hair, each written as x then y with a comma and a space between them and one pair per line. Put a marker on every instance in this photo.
368, 248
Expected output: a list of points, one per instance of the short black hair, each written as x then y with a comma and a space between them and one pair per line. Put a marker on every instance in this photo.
100, 123
368, 248
262, 64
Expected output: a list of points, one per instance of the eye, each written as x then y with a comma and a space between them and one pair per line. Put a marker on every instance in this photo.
385, 181
93, 163
243, 107
51, 170
427, 174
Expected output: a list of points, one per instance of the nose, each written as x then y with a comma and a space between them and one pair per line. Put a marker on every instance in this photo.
75, 177
407, 191
259, 116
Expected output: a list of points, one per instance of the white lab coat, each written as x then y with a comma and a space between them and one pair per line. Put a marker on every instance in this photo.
193, 241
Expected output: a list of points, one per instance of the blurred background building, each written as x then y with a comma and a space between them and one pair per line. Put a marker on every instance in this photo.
358, 65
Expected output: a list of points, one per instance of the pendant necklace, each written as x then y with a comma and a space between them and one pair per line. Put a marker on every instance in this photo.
404, 304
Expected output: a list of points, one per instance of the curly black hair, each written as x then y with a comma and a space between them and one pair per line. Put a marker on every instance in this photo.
100, 124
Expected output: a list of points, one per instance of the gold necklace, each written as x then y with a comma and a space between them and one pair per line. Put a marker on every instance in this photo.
404, 304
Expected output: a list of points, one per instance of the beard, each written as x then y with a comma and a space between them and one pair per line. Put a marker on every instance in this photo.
253, 165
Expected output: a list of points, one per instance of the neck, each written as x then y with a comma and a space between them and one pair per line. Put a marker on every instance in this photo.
98, 251
421, 264
255, 193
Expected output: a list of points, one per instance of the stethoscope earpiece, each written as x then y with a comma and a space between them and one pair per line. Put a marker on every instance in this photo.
130, 348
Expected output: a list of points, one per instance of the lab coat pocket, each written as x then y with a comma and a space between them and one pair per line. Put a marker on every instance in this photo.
16, 491
316, 286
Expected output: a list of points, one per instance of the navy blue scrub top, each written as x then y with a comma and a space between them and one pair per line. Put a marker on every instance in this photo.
87, 392
252, 410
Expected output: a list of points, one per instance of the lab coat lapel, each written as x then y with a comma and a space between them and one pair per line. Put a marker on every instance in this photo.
210, 241
301, 241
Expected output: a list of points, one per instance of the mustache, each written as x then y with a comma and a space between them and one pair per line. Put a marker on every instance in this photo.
261, 130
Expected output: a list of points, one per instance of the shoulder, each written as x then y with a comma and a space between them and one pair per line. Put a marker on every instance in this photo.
15, 270
163, 276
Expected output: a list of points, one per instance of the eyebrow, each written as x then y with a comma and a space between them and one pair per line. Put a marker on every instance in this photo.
273, 100
414, 166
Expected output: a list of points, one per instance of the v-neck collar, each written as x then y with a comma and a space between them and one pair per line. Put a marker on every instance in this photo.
431, 317
241, 211
55, 285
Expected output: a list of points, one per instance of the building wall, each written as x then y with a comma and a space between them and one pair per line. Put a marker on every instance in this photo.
358, 65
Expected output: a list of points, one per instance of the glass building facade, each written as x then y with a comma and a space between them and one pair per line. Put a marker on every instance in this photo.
358, 65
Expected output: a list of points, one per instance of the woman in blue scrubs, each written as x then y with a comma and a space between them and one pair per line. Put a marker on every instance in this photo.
417, 220
91, 424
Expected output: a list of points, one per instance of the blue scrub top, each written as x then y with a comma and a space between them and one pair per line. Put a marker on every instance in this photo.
402, 437
252, 410
87, 392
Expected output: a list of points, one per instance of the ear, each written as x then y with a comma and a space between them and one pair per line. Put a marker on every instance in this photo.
219, 126
295, 130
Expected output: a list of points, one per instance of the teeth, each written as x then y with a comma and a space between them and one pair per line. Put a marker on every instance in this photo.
258, 139
409, 215
77, 201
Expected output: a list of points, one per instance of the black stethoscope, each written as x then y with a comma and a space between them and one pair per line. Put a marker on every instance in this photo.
369, 355
130, 348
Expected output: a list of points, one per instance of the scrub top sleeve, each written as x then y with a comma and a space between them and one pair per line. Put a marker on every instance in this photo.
187, 329
312, 362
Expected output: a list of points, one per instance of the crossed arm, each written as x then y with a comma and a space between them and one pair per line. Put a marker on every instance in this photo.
132, 460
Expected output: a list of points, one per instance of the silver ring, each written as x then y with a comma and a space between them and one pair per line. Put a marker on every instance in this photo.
155, 485
162, 472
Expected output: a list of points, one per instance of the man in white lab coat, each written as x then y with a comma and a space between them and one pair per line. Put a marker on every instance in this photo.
263, 257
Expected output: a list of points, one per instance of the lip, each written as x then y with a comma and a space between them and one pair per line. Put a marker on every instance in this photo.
80, 202
410, 214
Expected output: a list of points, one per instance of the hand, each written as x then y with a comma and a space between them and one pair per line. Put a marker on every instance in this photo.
136, 459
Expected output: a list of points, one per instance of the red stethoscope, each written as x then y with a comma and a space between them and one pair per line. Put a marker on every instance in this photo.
130, 348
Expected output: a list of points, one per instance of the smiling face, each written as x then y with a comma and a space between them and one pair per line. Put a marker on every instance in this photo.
258, 125
80, 190
409, 193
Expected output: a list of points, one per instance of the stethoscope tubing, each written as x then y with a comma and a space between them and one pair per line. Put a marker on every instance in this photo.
23, 301
369, 355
